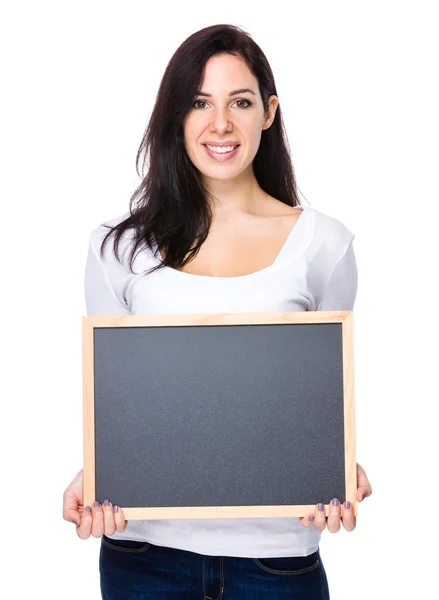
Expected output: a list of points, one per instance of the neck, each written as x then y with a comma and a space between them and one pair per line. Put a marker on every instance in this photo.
230, 196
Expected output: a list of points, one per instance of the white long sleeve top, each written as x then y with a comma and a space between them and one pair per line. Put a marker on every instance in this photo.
315, 270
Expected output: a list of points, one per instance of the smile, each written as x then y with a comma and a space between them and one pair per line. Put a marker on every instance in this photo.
221, 154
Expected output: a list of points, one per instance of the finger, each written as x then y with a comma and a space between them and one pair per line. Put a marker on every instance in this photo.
97, 528
84, 529
363, 492
119, 519
319, 517
307, 520
70, 509
334, 516
347, 516
109, 524
364, 489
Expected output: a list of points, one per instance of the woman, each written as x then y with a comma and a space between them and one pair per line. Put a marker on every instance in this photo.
216, 226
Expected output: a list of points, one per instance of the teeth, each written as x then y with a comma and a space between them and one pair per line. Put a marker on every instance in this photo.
220, 150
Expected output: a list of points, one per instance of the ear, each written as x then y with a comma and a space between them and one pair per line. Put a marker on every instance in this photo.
273, 103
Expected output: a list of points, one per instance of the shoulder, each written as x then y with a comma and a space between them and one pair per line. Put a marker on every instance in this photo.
329, 230
98, 234
331, 246
143, 259
331, 242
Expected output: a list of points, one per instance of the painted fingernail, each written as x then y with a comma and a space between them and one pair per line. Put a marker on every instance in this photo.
75, 522
106, 503
311, 518
320, 506
96, 504
347, 504
116, 509
335, 502
88, 509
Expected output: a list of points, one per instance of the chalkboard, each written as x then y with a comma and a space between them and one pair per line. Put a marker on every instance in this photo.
219, 415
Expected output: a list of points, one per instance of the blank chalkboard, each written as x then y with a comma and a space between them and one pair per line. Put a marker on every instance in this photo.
219, 415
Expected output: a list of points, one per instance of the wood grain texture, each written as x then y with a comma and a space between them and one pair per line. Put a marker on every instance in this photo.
88, 412
319, 316
220, 512
349, 411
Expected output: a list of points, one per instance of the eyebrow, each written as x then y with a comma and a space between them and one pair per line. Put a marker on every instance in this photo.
240, 91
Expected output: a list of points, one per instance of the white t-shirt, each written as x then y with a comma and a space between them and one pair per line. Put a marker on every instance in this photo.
315, 270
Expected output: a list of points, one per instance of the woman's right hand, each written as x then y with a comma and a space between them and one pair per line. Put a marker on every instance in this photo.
95, 520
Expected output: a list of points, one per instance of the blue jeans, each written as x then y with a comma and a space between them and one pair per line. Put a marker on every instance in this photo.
132, 570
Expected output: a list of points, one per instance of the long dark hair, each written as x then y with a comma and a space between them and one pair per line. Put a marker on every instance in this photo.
169, 209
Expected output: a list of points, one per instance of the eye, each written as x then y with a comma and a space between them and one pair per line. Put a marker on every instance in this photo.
244, 100
197, 101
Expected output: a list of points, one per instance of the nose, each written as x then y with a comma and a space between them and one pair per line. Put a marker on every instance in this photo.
221, 121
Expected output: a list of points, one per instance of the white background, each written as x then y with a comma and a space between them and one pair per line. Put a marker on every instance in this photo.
357, 83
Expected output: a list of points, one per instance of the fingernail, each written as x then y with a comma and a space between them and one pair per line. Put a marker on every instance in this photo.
335, 502
347, 504
106, 503
311, 518
320, 506
75, 522
96, 504
88, 509
116, 509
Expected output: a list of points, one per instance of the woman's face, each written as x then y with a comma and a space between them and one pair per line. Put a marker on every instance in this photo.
228, 110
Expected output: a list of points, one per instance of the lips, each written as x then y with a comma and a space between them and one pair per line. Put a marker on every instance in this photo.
224, 155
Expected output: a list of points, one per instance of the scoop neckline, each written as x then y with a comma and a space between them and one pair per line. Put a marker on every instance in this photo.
301, 223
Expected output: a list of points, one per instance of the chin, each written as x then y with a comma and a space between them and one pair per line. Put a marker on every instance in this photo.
224, 176
222, 171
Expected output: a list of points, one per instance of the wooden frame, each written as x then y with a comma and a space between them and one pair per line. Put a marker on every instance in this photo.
345, 318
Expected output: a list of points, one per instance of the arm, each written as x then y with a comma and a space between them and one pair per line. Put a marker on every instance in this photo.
339, 294
341, 289
102, 296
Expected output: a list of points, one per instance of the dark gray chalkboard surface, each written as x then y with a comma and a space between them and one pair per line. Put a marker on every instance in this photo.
231, 415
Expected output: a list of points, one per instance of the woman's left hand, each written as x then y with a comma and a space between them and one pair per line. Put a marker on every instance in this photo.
337, 513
